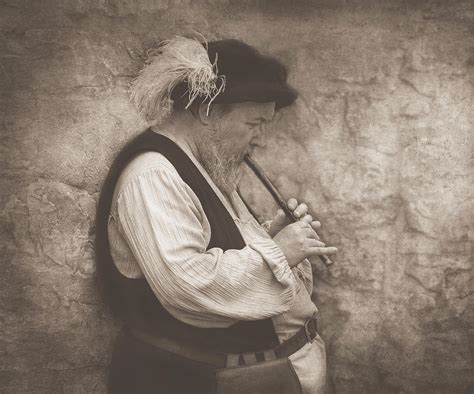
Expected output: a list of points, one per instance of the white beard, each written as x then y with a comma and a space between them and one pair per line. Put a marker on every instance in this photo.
221, 161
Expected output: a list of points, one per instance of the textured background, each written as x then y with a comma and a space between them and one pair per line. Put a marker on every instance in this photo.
379, 144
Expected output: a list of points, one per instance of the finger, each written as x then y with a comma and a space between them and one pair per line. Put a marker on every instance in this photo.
279, 221
292, 203
280, 216
313, 243
315, 225
322, 250
308, 230
310, 233
307, 218
300, 210
303, 224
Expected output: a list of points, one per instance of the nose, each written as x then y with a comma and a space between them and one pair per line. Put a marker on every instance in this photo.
260, 139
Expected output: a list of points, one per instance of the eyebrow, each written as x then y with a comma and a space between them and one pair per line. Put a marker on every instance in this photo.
260, 119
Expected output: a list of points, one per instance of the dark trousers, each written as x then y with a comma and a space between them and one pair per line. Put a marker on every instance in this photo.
136, 368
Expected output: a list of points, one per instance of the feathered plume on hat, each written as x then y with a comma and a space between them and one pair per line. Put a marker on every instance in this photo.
174, 61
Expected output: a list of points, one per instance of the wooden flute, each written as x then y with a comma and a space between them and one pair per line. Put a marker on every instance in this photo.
257, 170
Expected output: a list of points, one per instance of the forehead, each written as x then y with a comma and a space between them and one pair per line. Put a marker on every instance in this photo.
253, 111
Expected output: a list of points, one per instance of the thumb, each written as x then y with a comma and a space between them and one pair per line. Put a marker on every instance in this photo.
280, 217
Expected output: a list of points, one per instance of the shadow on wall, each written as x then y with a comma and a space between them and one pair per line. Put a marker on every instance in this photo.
379, 145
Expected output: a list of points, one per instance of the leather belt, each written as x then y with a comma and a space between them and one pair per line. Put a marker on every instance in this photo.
306, 334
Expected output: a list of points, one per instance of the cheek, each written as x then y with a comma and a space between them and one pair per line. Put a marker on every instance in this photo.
240, 137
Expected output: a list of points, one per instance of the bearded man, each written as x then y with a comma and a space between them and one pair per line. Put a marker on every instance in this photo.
212, 301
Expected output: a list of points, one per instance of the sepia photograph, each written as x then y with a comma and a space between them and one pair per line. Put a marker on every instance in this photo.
237, 196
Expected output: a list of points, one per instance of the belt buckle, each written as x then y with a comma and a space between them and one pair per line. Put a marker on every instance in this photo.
310, 336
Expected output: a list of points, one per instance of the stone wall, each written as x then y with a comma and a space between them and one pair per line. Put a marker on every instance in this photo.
379, 144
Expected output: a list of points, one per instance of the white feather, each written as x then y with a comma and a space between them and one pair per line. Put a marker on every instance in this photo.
177, 60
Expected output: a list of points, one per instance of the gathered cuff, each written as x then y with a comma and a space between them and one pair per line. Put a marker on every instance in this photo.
276, 260
266, 225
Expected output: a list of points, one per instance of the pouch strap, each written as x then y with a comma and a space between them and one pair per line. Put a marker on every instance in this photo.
269, 355
232, 360
249, 358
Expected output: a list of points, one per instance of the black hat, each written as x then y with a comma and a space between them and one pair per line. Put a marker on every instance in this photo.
249, 76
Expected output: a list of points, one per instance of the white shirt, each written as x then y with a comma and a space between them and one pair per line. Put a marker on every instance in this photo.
158, 229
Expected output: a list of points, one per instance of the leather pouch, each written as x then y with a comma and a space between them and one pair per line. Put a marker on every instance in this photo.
266, 377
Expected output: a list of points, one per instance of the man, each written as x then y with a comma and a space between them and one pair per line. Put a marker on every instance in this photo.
211, 300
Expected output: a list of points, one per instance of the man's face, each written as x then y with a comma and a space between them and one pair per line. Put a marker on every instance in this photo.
243, 125
234, 131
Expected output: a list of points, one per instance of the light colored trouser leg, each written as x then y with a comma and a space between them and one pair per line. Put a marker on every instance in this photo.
310, 365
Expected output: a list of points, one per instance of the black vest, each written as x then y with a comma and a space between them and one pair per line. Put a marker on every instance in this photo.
133, 300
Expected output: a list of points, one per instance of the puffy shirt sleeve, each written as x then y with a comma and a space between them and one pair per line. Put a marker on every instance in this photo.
164, 224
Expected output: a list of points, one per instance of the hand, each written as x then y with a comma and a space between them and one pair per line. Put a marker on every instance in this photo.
299, 240
280, 220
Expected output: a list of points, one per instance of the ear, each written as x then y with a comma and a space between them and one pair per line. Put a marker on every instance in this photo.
201, 113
